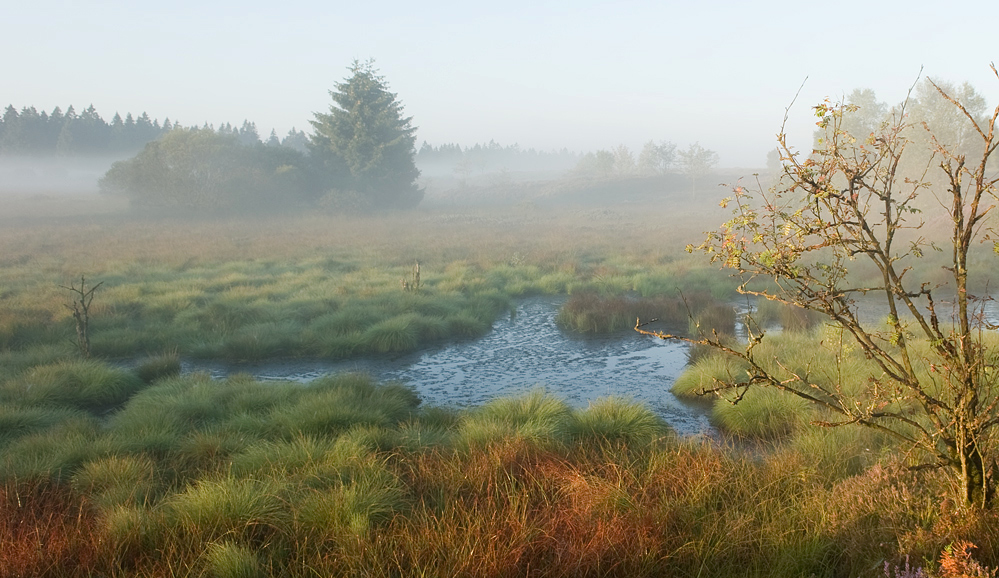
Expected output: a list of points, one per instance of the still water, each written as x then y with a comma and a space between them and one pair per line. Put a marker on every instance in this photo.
523, 351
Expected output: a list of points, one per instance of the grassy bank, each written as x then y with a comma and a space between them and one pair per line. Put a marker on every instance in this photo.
308, 286
112, 472
344, 477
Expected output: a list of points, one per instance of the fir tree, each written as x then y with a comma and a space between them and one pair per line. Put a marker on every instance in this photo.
365, 141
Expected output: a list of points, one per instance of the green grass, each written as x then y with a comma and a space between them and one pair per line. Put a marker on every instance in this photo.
239, 481
56, 452
333, 405
208, 450
371, 497
150, 473
305, 287
537, 416
85, 385
227, 507
615, 419
18, 421
762, 414
393, 335
158, 367
825, 356
117, 480
705, 373
232, 560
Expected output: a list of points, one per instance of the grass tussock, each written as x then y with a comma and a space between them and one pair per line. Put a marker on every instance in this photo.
303, 286
589, 312
787, 317
618, 420
537, 416
117, 480
109, 472
519, 485
765, 413
393, 335
158, 367
84, 385
229, 559
17, 421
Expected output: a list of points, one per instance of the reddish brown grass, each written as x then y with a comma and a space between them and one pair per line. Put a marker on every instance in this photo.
513, 508
45, 530
589, 312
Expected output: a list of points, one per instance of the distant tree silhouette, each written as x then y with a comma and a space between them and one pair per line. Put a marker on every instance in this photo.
366, 144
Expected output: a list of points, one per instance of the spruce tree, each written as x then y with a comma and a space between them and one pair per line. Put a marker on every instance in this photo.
365, 142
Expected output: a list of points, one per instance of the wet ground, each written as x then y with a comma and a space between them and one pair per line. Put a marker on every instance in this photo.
524, 351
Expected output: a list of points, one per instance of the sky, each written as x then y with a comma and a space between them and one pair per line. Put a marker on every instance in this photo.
581, 75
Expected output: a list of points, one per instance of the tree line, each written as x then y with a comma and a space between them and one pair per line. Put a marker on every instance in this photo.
932, 122
482, 158
655, 159
30, 132
359, 158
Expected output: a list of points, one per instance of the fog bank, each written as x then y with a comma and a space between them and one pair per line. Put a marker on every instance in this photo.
52, 175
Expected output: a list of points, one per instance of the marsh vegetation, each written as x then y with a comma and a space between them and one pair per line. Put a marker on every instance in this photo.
114, 462
147, 472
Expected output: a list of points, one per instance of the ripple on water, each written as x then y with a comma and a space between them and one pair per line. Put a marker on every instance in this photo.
522, 352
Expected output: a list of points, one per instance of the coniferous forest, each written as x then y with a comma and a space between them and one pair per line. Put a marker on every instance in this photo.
30, 132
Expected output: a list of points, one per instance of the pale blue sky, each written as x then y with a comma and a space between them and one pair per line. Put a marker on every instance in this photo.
545, 74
